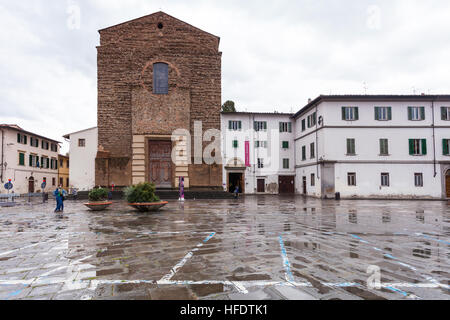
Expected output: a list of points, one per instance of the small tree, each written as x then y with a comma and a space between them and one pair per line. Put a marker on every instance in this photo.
142, 193
229, 106
98, 194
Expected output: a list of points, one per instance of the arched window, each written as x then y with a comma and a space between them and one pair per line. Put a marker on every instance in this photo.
160, 78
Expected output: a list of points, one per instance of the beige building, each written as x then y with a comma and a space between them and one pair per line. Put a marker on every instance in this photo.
63, 171
28, 159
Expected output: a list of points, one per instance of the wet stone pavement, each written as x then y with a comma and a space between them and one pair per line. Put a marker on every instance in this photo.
265, 247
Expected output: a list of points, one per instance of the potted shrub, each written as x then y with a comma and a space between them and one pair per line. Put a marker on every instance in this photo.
143, 198
98, 199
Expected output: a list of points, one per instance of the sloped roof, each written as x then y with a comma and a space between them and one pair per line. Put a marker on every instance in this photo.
154, 14
19, 129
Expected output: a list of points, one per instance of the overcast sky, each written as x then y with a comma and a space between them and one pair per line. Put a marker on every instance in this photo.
276, 54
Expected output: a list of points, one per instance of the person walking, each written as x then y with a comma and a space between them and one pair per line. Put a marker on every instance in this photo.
236, 192
59, 202
63, 197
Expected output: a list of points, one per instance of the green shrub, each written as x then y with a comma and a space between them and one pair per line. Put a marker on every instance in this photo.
98, 194
141, 193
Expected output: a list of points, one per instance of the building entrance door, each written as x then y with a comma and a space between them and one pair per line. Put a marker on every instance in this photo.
235, 180
261, 186
160, 163
287, 184
31, 185
447, 183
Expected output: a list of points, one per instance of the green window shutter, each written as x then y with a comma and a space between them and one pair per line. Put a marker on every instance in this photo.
349, 151
389, 113
42, 162
309, 122
356, 113
229, 125
343, 113
444, 113
409, 113
303, 125
31, 160
411, 147
281, 127
18, 138
377, 117
424, 147
21, 159
445, 146
290, 126
265, 125
235, 144
31, 141
422, 113
240, 125
254, 126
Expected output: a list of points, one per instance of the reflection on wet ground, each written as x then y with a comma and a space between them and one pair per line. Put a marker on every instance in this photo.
265, 247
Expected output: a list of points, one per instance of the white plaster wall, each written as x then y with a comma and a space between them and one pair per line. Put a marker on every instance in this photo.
82, 160
20, 174
368, 181
273, 156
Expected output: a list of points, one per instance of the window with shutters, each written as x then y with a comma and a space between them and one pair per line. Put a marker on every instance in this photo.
383, 113
312, 120
285, 127
417, 147
21, 159
313, 180
304, 153
384, 147
261, 144
385, 180
235, 144
285, 144
285, 163
445, 147
351, 148
260, 126
160, 78
260, 163
418, 179
445, 113
351, 179
312, 150
234, 125
350, 113
45, 145
416, 113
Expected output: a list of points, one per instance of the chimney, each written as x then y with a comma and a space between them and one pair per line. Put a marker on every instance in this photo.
309, 100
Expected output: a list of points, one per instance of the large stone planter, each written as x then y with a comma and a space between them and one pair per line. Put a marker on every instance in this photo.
98, 206
148, 207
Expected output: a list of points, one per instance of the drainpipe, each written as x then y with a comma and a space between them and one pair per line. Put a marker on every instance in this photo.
434, 140
317, 143
3, 155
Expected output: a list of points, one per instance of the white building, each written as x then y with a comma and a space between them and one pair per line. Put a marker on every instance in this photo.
83, 150
258, 152
382, 146
27, 159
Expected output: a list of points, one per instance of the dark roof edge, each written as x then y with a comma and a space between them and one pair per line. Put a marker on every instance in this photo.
259, 113
381, 97
29, 133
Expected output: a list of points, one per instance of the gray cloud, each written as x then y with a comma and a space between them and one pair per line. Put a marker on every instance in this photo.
275, 56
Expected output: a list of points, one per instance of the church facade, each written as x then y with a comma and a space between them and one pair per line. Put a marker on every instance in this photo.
156, 74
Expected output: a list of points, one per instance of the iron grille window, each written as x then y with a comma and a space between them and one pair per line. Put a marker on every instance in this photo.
160, 78
351, 179
418, 179
82, 143
385, 180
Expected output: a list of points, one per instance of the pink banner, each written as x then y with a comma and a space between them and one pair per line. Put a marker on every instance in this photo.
247, 154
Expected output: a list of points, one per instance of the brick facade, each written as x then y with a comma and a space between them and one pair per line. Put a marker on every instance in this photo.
129, 113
